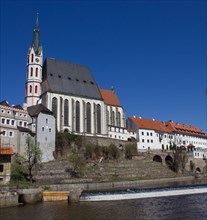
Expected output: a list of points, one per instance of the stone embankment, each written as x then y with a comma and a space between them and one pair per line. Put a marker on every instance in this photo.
17, 197
57, 171
72, 192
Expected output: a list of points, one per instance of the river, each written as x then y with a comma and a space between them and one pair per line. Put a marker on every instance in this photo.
185, 207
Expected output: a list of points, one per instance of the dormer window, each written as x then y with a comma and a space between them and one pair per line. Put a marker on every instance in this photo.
59, 76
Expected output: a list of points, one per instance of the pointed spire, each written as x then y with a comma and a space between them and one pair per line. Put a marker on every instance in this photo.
35, 41
36, 27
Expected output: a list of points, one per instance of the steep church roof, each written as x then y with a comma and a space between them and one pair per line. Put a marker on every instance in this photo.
110, 97
69, 79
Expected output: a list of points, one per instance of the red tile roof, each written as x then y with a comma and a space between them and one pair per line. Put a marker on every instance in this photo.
6, 150
177, 127
150, 124
109, 97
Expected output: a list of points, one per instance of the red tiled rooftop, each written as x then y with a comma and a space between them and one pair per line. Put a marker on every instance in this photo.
177, 127
6, 150
150, 124
109, 97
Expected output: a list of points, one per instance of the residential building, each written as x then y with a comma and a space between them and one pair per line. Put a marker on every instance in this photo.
157, 135
5, 164
150, 134
43, 126
14, 122
185, 135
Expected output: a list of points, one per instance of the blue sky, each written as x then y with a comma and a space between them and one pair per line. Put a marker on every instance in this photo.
152, 52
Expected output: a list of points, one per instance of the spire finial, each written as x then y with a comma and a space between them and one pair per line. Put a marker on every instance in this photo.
36, 27
35, 41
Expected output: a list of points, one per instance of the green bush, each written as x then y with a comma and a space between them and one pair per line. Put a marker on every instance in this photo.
130, 150
65, 139
114, 152
18, 170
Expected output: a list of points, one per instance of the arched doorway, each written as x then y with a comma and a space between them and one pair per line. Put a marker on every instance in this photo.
198, 170
168, 160
157, 158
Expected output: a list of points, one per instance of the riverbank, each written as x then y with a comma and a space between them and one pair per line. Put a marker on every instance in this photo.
15, 197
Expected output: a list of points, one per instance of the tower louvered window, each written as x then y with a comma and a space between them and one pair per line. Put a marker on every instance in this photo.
31, 71
36, 74
35, 89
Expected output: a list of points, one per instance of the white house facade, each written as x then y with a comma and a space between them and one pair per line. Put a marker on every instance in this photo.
157, 135
43, 126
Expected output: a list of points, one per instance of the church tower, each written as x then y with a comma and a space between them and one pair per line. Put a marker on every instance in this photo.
34, 70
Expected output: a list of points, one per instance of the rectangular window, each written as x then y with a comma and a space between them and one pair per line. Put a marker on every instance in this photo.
12, 122
3, 120
7, 121
3, 133
50, 130
147, 133
46, 121
11, 134
142, 133
150, 133
143, 140
43, 128
1, 168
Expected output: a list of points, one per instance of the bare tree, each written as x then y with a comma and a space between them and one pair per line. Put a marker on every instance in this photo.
33, 155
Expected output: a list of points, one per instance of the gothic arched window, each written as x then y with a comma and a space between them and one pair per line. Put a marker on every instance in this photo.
107, 117
66, 112
36, 73
77, 116
88, 117
98, 119
30, 89
32, 58
113, 118
31, 71
35, 89
54, 106
119, 119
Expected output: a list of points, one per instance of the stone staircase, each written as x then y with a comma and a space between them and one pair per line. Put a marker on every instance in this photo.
57, 171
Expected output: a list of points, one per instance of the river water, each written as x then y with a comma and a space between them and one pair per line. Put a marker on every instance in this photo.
185, 207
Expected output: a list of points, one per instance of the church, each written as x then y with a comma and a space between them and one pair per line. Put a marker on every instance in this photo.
69, 90
81, 107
